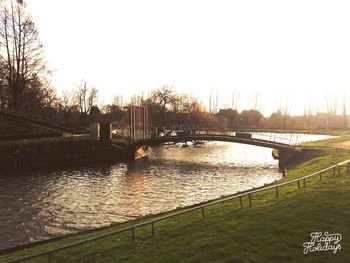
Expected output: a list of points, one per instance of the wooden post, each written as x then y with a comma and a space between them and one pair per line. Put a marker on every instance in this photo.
202, 208
152, 229
298, 184
240, 201
339, 170
250, 199
320, 176
333, 170
304, 182
348, 167
276, 191
133, 234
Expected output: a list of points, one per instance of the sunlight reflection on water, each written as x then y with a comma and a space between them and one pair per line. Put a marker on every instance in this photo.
40, 205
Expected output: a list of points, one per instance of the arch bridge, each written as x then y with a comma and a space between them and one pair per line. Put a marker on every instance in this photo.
141, 136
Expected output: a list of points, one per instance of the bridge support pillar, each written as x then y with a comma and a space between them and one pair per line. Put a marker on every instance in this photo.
284, 157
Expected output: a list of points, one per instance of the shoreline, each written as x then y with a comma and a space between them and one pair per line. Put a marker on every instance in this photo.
59, 153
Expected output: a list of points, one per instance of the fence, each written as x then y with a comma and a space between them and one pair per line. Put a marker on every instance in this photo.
336, 169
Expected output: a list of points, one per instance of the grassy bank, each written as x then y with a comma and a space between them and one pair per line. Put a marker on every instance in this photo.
272, 230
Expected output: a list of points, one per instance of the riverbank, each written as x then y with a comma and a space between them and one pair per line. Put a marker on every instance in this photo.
265, 232
59, 152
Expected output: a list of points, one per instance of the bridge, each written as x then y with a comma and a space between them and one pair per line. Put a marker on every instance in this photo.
216, 137
141, 136
285, 154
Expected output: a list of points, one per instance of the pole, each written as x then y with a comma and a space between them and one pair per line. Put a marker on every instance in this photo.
130, 112
144, 123
240, 201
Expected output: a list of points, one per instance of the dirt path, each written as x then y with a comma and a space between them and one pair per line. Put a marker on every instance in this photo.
342, 145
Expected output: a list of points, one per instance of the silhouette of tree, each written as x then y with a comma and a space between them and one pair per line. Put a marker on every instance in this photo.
164, 96
21, 52
86, 98
68, 104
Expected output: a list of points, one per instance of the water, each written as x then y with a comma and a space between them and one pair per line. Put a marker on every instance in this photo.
40, 205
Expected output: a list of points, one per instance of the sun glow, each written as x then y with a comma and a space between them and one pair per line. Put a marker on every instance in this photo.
299, 50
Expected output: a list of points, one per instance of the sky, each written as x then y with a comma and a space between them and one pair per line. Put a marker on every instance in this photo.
293, 51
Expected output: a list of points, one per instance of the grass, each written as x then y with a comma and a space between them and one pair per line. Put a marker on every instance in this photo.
272, 230
327, 142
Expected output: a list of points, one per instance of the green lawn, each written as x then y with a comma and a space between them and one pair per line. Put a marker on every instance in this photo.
272, 230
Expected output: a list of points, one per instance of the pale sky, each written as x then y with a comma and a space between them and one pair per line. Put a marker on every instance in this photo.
292, 49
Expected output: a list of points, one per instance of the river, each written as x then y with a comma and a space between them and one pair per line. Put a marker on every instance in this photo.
45, 204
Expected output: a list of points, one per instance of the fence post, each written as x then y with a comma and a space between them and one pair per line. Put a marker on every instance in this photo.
240, 201
334, 170
339, 170
304, 182
250, 199
276, 191
133, 234
348, 167
202, 208
320, 176
298, 184
152, 229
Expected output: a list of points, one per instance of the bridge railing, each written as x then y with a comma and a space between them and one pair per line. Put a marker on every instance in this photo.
335, 169
289, 138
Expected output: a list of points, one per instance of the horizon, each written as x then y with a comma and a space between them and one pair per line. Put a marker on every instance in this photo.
284, 51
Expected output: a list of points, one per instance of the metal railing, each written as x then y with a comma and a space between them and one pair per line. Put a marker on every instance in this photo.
289, 138
336, 169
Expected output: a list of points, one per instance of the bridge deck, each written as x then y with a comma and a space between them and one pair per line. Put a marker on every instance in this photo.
215, 137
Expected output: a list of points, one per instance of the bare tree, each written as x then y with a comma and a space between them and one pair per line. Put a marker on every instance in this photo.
210, 106
235, 100
164, 96
188, 103
213, 101
86, 98
332, 106
284, 108
137, 99
345, 118
118, 100
69, 103
257, 102
216, 102
308, 112
21, 51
